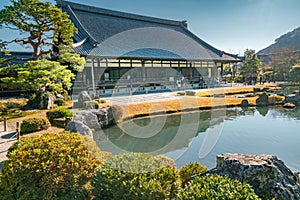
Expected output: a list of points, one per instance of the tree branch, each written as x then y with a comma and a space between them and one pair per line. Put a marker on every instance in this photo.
8, 60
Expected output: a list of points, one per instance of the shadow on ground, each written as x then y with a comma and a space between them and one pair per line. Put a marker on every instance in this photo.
1, 163
9, 135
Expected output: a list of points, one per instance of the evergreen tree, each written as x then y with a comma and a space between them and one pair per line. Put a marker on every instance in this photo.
48, 32
251, 64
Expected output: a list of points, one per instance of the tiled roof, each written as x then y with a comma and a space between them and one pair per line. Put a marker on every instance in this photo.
116, 34
17, 54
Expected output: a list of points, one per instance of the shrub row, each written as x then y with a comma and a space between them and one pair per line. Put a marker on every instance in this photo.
58, 113
12, 103
65, 166
60, 102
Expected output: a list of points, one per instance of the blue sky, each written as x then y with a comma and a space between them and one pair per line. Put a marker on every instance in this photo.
229, 25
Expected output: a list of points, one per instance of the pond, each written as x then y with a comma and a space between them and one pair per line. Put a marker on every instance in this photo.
201, 136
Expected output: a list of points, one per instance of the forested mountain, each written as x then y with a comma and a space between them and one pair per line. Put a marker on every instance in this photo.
290, 40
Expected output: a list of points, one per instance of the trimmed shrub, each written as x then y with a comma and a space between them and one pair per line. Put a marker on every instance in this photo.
60, 102
181, 93
217, 187
58, 113
13, 103
94, 149
135, 176
34, 124
91, 104
100, 100
94, 104
186, 172
51, 166
166, 161
190, 93
3, 107
137, 162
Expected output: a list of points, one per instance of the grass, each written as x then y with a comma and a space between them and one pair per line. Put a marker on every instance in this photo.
185, 103
204, 99
229, 91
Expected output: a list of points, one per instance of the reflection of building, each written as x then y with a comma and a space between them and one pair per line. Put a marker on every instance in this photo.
134, 49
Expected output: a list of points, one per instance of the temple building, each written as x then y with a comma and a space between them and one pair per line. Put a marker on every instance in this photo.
128, 50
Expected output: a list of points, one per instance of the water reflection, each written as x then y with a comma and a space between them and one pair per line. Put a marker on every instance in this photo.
270, 130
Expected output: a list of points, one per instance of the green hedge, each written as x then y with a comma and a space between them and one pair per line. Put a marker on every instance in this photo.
217, 187
58, 113
31, 125
135, 176
187, 171
190, 93
60, 102
51, 166
94, 149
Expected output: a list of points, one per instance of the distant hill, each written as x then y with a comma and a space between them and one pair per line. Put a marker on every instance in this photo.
289, 40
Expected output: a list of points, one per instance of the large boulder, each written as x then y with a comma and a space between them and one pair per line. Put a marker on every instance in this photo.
95, 118
79, 127
293, 98
267, 174
83, 97
262, 100
105, 116
88, 117
43, 100
289, 105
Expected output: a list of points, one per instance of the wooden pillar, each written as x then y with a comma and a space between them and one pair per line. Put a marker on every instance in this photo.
119, 70
93, 76
18, 130
5, 124
222, 70
143, 71
191, 71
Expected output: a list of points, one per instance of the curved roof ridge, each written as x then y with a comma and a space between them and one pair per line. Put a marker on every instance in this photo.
202, 42
212, 48
78, 24
97, 10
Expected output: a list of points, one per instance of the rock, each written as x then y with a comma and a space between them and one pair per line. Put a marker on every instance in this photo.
105, 116
262, 100
83, 97
59, 96
245, 103
78, 127
293, 98
49, 103
88, 117
257, 90
43, 100
289, 105
263, 110
267, 174
95, 118
275, 99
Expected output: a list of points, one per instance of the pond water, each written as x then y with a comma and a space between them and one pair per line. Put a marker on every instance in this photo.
201, 136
